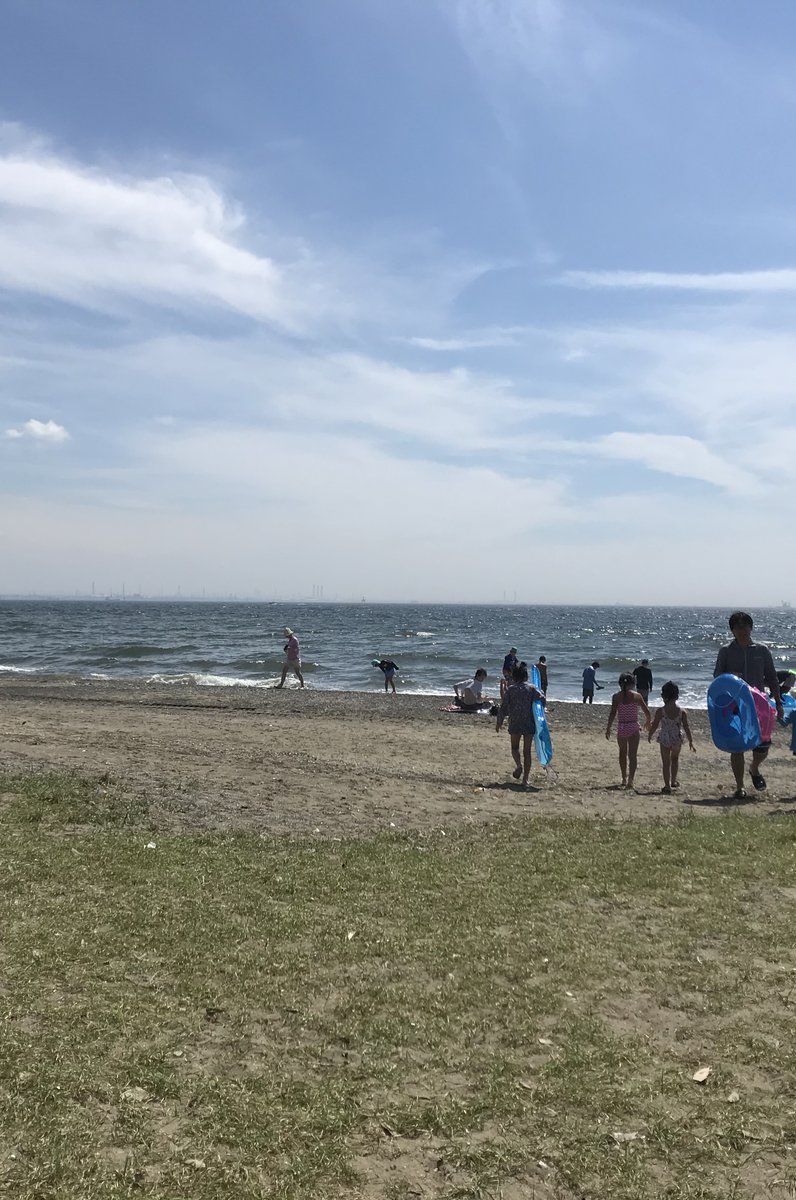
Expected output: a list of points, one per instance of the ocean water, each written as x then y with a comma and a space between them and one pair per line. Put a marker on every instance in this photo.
434, 645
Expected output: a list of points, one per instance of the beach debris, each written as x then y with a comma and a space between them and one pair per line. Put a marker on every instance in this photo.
350, 934
524, 1083
540, 1162
178, 1053
545, 1042
701, 1075
733, 1097
386, 1129
570, 994
151, 846
198, 1163
621, 1139
138, 1094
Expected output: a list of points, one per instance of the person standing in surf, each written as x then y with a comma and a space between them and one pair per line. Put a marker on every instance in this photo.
293, 658
752, 662
517, 704
590, 683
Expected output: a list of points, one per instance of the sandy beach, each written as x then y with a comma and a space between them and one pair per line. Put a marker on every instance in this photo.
345, 763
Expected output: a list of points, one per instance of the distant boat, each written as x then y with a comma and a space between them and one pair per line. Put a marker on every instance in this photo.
786, 605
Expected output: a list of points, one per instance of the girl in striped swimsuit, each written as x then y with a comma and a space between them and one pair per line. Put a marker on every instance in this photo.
625, 705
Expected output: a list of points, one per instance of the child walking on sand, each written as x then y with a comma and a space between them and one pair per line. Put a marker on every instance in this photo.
517, 704
624, 706
671, 722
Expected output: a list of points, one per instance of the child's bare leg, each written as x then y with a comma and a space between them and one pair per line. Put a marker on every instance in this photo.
526, 757
632, 748
515, 754
666, 763
623, 759
675, 764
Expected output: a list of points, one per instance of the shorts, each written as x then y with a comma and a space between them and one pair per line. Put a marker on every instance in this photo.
588, 693
294, 665
389, 673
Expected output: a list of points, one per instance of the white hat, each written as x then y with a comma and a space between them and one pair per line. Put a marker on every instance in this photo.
288, 632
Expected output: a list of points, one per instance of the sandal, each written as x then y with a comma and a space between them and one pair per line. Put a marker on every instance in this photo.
758, 782
515, 774
739, 794
666, 791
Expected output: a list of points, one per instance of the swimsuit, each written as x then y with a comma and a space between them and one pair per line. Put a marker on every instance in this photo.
670, 733
627, 719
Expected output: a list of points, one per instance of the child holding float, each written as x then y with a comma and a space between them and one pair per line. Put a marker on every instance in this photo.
671, 723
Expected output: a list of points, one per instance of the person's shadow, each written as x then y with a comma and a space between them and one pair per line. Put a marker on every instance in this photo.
511, 785
730, 801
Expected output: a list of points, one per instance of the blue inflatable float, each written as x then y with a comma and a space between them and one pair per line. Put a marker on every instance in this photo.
734, 724
541, 738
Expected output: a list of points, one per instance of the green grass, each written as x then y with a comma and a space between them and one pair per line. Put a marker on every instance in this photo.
196, 1021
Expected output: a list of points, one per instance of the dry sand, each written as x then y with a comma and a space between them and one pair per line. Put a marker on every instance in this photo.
345, 763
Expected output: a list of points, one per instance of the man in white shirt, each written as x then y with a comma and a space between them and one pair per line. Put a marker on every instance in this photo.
470, 692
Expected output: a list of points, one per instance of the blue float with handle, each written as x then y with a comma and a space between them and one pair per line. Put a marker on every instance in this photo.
734, 724
541, 738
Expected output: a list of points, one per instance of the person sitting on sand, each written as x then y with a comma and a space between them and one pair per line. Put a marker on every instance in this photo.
625, 705
517, 704
470, 693
671, 721
389, 668
293, 660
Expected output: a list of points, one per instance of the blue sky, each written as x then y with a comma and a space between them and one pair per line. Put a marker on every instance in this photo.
439, 299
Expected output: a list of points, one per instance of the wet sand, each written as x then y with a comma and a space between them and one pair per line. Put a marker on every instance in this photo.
346, 763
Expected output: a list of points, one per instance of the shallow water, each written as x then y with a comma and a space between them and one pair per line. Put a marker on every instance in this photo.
434, 645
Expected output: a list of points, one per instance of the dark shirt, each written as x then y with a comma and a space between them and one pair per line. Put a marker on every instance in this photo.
543, 675
643, 678
752, 663
510, 662
388, 666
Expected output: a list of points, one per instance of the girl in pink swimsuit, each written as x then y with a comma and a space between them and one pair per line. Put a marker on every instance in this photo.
671, 722
625, 705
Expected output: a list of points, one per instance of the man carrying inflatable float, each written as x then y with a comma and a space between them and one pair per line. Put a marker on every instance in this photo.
741, 716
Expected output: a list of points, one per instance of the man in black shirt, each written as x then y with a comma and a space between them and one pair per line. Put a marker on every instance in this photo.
643, 678
752, 662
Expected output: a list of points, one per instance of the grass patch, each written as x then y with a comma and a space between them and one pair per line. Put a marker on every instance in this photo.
470, 1016
62, 799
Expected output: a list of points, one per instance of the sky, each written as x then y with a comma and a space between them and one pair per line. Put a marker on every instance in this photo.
443, 300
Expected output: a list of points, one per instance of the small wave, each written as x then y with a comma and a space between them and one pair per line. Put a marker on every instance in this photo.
12, 670
98, 675
138, 650
206, 680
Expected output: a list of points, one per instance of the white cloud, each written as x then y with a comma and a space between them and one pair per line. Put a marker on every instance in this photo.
681, 456
779, 280
481, 340
555, 42
40, 431
78, 234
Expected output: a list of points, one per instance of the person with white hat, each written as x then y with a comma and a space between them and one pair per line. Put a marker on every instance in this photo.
293, 660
